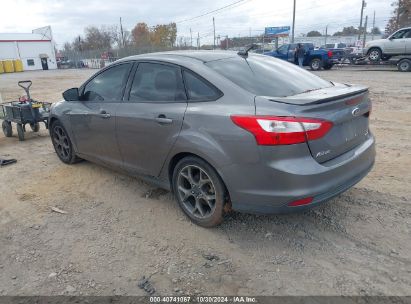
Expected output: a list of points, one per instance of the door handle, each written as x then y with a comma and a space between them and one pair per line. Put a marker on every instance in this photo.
162, 119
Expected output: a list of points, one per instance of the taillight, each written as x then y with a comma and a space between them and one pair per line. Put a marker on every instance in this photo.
272, 130
330, 54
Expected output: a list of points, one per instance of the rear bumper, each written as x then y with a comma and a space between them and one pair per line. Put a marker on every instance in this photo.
269, 186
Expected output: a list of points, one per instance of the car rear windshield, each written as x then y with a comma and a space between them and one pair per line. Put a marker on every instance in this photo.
267, 76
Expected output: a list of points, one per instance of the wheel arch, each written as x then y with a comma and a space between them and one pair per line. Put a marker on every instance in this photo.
375, 47
179, 156
52, 120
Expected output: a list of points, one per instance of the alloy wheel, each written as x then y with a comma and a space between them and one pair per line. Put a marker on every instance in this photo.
374, 55
196, 191
405, 66
61, 142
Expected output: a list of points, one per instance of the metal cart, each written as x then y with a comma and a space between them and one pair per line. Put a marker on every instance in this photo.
23, 112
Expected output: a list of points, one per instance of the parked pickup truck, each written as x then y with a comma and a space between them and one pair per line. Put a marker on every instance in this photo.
338, 49
315, 59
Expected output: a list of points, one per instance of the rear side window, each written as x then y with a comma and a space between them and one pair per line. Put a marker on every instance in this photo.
108, 85
267, 76
155, 82
198, 89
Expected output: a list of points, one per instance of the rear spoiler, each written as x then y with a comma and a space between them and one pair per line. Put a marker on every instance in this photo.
322, 95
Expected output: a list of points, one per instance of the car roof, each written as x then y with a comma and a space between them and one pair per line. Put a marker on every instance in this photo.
183, 56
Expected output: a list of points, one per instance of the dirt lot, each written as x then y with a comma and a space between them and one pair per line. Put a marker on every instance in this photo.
118, 229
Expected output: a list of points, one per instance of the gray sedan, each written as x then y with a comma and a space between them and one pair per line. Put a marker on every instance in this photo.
221, 130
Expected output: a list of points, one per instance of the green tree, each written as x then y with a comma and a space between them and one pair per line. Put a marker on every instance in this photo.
347, 31
376, 31
401, 16
314, 34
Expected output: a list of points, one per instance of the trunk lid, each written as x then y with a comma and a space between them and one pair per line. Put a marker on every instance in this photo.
347, 107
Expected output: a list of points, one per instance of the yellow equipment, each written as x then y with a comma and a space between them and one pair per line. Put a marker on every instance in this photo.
8, 66
18, 65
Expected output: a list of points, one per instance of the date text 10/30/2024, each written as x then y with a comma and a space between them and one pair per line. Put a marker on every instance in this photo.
202, 299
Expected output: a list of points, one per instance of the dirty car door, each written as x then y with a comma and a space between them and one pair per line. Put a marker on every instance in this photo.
93, 119
148, 123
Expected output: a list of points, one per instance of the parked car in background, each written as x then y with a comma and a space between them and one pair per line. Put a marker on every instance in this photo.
315, 59
220, 129
399, 43
338, 50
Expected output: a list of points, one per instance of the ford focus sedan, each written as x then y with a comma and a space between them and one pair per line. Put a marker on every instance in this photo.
221, 130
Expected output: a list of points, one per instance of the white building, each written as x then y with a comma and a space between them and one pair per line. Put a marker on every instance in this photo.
36, 49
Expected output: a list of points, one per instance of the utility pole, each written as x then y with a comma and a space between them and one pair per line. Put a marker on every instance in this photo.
373, 27
326, 33
365, 31
226, 42
191, 39
214, 33
122, 33
398, 14
198, 40
292, 34
363, 4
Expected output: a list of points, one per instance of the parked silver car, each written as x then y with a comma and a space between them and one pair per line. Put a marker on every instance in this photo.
399, 43
221, 130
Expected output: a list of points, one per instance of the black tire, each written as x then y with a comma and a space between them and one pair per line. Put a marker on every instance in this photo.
62, 144
328, 67
205, 212
35, 127
20, 132
375, 54
7, 129
404, 65
315, 64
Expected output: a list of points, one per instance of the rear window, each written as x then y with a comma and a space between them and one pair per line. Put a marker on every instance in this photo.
268, 76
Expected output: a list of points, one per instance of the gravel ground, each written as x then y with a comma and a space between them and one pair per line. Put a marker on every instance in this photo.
118, 229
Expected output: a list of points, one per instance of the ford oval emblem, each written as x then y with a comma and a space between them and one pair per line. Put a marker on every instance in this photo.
355, 112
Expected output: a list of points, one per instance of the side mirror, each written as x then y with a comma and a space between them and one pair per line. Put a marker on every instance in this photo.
71, 94
390, 38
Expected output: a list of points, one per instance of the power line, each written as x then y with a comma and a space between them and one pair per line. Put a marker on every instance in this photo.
210, 12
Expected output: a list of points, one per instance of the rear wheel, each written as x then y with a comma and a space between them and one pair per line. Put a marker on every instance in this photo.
328, 67
315, 64
20, 132
35, 127
199, 191
62, 144
404, 65
7, 129
375, 54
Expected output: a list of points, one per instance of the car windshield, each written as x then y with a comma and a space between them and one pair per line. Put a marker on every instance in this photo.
267, 76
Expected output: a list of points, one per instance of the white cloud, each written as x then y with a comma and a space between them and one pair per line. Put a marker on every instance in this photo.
68, 18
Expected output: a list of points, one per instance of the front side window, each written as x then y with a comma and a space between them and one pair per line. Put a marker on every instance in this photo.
407, 35
108, 85
283, 49
154, 82
198, 89
398, 35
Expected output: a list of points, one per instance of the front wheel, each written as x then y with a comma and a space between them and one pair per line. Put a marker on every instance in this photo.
35, 127
375, 54
62, 144
20, 132
199, 191
7, 129
315, 64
